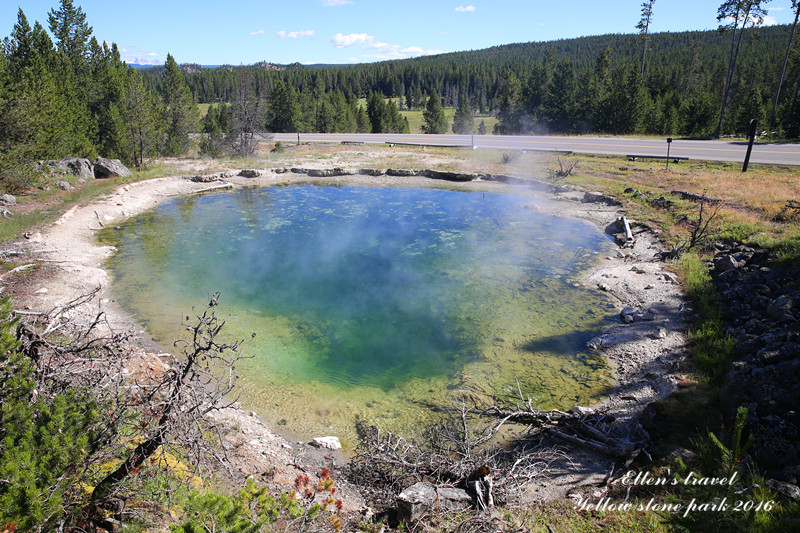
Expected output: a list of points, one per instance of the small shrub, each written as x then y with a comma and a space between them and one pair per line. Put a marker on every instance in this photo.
253, 509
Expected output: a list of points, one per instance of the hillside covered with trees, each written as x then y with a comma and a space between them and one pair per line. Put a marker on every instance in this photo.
62, 93
595, 84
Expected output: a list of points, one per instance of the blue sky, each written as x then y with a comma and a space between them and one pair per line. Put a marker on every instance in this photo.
348, 31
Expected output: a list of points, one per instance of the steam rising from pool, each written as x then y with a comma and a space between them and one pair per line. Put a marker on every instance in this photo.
370, 301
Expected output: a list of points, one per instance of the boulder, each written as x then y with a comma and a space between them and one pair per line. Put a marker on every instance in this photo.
415, 501
8, 199
63, 185
422, 497
79, 166
109, 168
247, 173
330, 443
725, 263
599, 198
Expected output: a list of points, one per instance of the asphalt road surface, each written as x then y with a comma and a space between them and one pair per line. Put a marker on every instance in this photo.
769, 153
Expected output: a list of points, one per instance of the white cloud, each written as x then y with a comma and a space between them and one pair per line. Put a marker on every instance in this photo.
465, 9
770, 20
335, 3
294, 34
383, 51
353, 39
259, 32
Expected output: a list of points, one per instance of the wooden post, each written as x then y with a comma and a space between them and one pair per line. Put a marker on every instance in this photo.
751, 134
669, 143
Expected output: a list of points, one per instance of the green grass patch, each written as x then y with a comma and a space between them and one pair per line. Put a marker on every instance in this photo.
55, 202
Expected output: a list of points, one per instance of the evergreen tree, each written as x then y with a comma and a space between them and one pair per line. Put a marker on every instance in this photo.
138, 116
509, 112
180, 110
363, 124
482, 128
376, 112
285, 110
68, 25
464, 120
433, 116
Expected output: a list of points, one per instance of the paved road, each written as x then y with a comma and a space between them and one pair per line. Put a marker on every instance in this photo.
782, 154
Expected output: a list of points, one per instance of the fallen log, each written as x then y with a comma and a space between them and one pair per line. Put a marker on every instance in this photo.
696, 197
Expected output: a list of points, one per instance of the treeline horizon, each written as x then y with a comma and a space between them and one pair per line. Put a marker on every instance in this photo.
589, 84
62, 93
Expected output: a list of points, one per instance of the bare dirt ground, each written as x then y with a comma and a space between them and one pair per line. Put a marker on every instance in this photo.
645, 353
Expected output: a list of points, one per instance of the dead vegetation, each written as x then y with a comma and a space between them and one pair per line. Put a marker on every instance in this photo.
152, 408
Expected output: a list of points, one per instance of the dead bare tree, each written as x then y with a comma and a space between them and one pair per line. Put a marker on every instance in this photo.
148, 406
461, 450
196, 383
699, 227
563, 170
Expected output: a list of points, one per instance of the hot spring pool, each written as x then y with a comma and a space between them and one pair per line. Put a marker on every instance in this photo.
377, 302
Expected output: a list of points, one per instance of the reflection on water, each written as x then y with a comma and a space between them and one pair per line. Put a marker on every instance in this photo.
377, 302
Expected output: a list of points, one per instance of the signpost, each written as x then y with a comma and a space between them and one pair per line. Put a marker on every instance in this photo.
669, 143
751, 134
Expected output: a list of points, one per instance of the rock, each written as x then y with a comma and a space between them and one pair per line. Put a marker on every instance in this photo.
415, 501
63, 185
725, 263
109, 168
450, 176
627, 315
330, 443
328, 172
207, 178
780, 306
8, 199
650, 315
247, 173
787, 490
451, 498
372, 171
599, 198
402, 172
422, 497
580, 410
79, 166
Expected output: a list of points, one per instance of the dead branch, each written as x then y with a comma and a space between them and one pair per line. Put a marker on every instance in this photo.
563, 171
699, 232
144, 413
697, 197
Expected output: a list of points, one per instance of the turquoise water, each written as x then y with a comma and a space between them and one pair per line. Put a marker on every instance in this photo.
371, 301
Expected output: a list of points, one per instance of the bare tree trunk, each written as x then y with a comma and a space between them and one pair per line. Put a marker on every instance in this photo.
731, 68
785, 61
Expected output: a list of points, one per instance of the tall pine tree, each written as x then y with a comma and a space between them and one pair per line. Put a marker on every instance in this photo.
433, 116
180, 111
